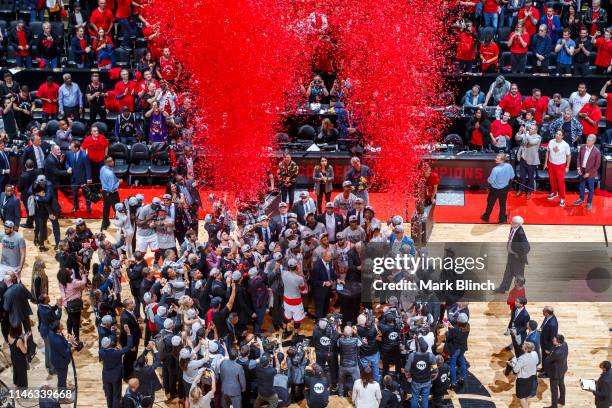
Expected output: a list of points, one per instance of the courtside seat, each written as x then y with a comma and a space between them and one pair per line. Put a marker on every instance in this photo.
121, 155
543, 175
51, 129
78, 130
139, 161
160, 160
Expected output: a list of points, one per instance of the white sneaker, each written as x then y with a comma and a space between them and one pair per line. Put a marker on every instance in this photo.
562, 203
552, 196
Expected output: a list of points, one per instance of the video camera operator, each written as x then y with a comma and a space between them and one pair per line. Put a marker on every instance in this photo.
421, 370
391, 339
369, 353
325, 338
348, 349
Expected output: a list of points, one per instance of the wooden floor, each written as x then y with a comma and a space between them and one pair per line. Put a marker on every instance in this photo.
585, 326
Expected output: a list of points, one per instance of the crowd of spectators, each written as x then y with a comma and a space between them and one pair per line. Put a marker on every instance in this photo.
541, 38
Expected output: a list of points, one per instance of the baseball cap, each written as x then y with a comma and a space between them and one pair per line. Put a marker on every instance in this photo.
213, 347
282, 204
462, 318
215, 302
162, 310
307, 234
398, 228
79, 221
176, 341
292, 263
263, 218
347, 184
352, 218
323, 234
264, 360
278, 256
340, 235
329, 205
9, 224
156, 200
107, 319
146, 297
236, 276
168, 324
245, 248
288, 232
167, 197
271, 246
140, 197
252, 272
41, 178
303, 194
119, 207
185, 353
133, 201
293, 244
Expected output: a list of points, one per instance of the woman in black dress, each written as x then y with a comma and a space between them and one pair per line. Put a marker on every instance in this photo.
478, 131
18, 344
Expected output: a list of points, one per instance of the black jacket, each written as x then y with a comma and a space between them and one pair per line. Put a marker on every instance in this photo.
55, 171
26, 179
519, 322
130, 320
520, 245
485, 129
339, 224
556, 363
10, 209
603, 390
47, 48
548, 331
14, 40
28, 153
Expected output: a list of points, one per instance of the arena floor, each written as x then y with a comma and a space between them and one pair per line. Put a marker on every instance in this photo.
585, 326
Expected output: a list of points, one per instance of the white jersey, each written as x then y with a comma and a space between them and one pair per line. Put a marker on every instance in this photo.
293, 285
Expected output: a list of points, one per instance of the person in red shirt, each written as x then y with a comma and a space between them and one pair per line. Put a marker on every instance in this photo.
537, 104
478, 131
516, 292
125, 91
501, 133
469, 7
519, 45
512, 102
324, 56
20, 39
143, 86
489, 55
603, 61
466, 48
608, 97
168, 68
528, 16
490, 9
101, 18
122, 17
96, 147
103, 44
48, 93
589, 116
430, 187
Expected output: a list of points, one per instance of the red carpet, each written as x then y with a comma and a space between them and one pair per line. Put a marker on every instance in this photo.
538, 210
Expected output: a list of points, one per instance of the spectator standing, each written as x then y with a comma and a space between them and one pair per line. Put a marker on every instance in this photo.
60, 352
558, 157
518, 248
366, 392
596, 18
81, 49
478, 131
456, 345
48, 314
582, 54
536, 104
111, 367
420, 369
608, 97
168, 67
47, 46
158, 124
603, 386
490, 11
525, 367
18, 345
529, 158
70, 99
466, 48
13, 259
10, 207
541, 46
603, 61
101, 18
501, 133
96, 147
71, 290
489, 55
5, 165
579, 98
360, 176
265, 384
565, 49
96, 94
556, 107
528, 17
23, 108
110, 190
77, 18
519, 45
122, 17
497, 90
569, 126
589, 161
589, 117
20, 39
552, 23
105, 52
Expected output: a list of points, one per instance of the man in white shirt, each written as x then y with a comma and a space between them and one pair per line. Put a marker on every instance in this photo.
579, 98
558, 156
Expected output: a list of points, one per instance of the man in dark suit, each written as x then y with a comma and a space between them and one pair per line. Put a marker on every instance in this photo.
55, 170
519, 319
26, 180
322, 280
556, 367
233, 382
128, 319
77, 160
603, 386
37, 150
10, 207
306, 205
589, 161
518, 248
334, 223
111, 366
279, 221
357, 211
61, 352
548, 330
264, 231
5, 166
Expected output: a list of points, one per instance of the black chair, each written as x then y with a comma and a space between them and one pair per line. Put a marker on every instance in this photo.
11, 56
71, 62
505, 62
122, 57
51, 129
139, 161
36, 28
454, 139
160, 160
78, 130
121, 155
7, 7
57, 29
138, 54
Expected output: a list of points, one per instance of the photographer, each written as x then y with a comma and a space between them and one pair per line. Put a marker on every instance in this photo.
317, 386
296, 364
325, 338
390, 346
348, 349
317, 92
369, 355
203, 389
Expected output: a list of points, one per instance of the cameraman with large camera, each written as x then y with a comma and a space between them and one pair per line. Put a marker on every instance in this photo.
369, 354
348, 349
325, 338
390, 346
